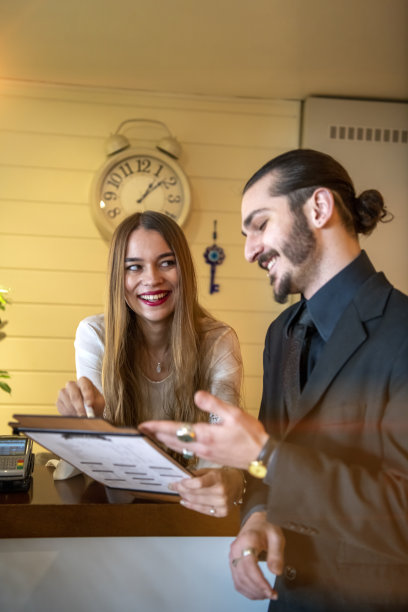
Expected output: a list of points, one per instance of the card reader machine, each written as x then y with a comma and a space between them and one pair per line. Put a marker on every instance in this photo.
16, 463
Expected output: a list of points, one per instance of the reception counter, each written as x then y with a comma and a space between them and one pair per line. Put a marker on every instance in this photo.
74, 545
81, 507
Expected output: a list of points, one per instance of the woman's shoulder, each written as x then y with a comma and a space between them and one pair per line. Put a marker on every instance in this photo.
94, 324
218, 332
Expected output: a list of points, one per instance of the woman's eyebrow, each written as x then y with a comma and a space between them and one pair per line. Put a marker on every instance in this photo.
161, 256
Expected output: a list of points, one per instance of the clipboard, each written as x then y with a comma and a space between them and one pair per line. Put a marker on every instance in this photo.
117, 457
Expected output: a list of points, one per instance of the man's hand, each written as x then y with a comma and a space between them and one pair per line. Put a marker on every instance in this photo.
234, 441
256, 536
73, 398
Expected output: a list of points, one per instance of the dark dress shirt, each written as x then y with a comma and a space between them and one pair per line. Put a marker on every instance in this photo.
328, 304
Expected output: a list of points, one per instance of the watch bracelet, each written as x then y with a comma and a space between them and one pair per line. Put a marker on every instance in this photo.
240, 500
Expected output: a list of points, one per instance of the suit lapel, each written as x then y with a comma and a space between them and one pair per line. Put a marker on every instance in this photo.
348, 336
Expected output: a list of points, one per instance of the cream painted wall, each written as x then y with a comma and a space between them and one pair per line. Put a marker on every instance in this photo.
52, 257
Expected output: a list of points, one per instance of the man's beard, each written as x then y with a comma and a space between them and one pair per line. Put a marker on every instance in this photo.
299, 246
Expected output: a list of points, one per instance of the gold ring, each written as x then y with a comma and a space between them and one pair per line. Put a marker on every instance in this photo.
186, 433
246, 552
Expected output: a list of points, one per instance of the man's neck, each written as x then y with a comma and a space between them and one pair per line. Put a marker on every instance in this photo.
334, 261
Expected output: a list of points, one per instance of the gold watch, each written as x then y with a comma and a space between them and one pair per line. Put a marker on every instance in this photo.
259, 467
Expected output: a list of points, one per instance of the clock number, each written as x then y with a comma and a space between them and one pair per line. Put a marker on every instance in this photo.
159, 170
126, 169
115, 178
143, 165
170, 182
113, 212
109, 195
173, 199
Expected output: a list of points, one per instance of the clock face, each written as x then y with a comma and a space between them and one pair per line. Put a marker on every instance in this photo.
137, 180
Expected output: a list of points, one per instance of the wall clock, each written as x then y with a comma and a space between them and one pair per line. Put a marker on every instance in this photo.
135, 180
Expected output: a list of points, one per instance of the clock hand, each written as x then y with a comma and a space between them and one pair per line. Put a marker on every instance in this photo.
150, 188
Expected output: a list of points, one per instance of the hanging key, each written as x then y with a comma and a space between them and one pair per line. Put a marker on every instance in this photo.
214, 255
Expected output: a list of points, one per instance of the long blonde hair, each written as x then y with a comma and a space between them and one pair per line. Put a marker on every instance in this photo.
122, 377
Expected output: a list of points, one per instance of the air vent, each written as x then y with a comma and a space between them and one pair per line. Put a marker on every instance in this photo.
368, 134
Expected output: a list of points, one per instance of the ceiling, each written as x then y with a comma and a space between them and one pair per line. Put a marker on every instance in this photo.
231, 48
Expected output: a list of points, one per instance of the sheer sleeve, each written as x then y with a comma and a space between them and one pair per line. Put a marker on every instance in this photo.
89, 349
223, 364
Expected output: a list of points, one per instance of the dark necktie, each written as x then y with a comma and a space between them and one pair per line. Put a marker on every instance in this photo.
296, 367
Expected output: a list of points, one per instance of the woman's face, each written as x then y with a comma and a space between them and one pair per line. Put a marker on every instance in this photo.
151, 277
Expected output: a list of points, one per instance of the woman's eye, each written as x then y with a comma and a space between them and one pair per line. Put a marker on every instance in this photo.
133, 268
168, 263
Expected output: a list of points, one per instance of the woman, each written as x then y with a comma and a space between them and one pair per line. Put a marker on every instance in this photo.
155, 347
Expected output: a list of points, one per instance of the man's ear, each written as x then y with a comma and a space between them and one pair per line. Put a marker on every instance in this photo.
322, 207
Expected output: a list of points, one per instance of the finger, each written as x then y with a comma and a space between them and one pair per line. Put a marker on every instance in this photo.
165, 428
209, 403
204, 499
88, 390
75, 397
249, 579
64, 404
217, 511
205, 481
166, 432
274, 558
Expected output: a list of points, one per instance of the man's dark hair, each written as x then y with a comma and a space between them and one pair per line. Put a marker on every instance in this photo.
298, 173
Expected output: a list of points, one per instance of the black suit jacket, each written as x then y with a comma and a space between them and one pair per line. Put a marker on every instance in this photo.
338, 480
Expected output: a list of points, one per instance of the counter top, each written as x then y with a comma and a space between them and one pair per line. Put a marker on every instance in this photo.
82, 507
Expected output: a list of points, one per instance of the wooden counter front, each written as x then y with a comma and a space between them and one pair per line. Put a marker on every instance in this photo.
81, 507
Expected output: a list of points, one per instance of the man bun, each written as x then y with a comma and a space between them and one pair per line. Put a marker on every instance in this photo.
369, 209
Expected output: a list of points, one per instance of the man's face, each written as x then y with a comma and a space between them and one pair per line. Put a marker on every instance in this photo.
279, 240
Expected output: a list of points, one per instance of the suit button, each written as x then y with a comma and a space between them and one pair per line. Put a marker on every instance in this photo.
290, 573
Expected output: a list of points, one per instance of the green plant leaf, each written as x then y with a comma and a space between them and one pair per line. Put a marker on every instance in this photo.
5, 387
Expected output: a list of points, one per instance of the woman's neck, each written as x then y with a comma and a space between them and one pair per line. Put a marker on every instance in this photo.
156, 365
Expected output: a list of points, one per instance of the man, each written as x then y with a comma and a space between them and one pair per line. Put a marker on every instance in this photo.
332, 449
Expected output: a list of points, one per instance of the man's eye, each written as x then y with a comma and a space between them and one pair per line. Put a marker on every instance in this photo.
262, 226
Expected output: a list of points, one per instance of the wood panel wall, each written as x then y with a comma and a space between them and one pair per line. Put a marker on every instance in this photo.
51, 255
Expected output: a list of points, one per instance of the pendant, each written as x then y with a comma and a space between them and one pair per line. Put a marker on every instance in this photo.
158, 367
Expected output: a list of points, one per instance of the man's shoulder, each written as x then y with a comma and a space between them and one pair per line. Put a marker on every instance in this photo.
378, 297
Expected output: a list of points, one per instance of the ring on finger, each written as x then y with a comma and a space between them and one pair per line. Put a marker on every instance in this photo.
246, 552
188, 454
213, 511
186, 433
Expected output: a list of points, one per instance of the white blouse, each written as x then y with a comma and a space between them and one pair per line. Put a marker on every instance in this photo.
220, 348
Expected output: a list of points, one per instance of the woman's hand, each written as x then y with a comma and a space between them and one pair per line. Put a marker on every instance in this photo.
73, 398
212, 490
